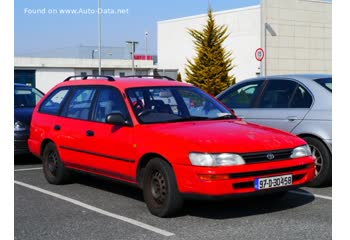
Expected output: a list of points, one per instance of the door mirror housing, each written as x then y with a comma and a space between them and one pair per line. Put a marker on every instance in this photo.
117, 119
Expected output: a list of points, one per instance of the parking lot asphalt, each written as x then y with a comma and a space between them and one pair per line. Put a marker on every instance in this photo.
93, 208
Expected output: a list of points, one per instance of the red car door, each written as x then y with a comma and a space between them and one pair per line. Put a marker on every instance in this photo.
94, 145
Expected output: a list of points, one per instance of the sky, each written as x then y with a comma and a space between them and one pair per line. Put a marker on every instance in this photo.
41, 25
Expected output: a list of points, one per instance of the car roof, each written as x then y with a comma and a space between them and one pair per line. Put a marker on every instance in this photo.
124, 83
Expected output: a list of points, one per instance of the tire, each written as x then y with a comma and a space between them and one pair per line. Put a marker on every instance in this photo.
54, 170
323, 163
160, 190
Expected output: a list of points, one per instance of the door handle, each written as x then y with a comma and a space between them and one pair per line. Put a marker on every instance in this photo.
57, 127
292, 118
90, 133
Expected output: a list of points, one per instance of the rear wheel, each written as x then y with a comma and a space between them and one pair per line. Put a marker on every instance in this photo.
54, 170
160, 189
323, 162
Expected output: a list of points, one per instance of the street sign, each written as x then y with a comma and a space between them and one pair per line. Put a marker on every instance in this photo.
259, 54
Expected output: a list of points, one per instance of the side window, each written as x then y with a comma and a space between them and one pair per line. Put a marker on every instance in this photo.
277, 94
243, 96
109, 101
52, 103
301, 99
79, 105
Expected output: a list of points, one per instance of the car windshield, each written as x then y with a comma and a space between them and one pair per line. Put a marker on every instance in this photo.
325, 82
175, 104
26, 97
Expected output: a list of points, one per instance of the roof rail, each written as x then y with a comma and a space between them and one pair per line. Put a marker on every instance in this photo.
151, 76
84, 77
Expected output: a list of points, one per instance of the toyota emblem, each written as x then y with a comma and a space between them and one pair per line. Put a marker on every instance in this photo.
270, 156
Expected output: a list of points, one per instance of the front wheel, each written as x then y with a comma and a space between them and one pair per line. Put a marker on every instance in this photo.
323, 162
54, 170
160, 189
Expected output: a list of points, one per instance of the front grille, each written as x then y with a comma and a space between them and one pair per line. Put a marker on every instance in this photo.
267, 172
258, 157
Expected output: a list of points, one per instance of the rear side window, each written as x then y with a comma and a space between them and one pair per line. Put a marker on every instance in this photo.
242, 96
79, 106
52, 103
277, 94
301, 99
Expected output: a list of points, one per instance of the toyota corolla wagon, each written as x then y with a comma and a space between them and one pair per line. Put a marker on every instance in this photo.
171, 139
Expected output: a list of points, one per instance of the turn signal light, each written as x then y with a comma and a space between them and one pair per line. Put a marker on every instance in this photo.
213, 177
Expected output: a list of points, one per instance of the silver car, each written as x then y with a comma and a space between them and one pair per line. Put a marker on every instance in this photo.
300, 104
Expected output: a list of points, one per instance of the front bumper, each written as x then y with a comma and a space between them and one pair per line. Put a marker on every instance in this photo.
241, 178
21, 143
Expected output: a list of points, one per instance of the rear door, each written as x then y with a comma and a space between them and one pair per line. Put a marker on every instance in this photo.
283, 104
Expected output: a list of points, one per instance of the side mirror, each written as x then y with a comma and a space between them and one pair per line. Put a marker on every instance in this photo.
117, 119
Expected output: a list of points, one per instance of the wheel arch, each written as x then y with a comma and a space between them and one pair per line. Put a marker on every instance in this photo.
302, 135
43, 144
143, 162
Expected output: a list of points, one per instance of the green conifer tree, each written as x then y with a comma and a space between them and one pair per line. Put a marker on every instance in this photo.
209, 70
178, 77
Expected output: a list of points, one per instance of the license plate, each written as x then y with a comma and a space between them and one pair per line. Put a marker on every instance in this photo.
273, 182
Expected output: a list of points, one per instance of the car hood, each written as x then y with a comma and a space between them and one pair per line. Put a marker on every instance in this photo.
224, 136
23, 115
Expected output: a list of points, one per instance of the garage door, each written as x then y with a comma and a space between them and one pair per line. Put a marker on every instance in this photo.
25, 77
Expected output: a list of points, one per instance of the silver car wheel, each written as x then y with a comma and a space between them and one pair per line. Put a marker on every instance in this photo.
318, 159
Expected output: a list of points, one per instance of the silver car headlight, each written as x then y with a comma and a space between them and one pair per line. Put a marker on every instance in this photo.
220, 159
19, 126
301, 151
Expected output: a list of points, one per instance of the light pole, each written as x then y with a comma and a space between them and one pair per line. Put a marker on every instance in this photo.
132, 45
99, 37
146, 39
93, 53
267, 28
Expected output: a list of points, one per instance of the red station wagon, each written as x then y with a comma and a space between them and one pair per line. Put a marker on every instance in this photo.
171, 139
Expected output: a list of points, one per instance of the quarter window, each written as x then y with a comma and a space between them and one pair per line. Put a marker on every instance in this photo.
52, 104
243, 97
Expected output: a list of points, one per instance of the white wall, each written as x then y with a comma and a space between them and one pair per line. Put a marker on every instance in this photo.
46, 78
303, 43
175, 44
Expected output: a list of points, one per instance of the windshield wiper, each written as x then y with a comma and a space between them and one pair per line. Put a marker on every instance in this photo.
192, 118
224, 117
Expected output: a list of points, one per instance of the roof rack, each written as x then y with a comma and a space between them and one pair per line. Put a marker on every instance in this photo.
84, 77
151, 76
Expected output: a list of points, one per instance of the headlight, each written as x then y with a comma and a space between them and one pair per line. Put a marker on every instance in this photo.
221, 159
301, 151
19, 126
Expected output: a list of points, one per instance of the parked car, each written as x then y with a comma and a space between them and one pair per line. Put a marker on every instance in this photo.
116, 128
25, 99
299, 104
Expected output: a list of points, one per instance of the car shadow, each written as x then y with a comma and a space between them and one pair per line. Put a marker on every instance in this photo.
244, 207
109, 185
26, 159
225, 209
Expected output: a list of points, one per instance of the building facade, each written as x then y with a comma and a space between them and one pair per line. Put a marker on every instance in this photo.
296, 36
44, 70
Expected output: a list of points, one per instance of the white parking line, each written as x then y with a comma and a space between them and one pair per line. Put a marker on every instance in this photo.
311, 195
98, 210
27, 169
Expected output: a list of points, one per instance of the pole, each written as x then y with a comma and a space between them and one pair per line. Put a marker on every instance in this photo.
132, 58
99, 37
265, 50
146, 36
